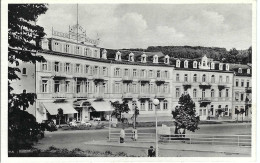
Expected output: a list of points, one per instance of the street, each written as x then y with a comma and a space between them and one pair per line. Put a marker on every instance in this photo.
77, 139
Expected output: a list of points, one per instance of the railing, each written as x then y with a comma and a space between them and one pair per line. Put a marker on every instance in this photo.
59, 95
98, 76
142, 137
144, 95
80, 95
127, 78
239, 140
127, 95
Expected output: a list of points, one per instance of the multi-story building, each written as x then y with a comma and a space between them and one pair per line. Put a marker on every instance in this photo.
79, 76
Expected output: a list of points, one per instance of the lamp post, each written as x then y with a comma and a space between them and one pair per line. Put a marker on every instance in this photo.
156, 102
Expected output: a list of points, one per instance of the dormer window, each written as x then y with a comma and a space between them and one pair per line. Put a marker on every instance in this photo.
118, 56
178, 63
195, 64
155, 59
204, 63
186, 64
248, 71
56, 46
240, 70
166, 59
131, 57
227, 67
220, 66
212, 65
143, 58
104, 54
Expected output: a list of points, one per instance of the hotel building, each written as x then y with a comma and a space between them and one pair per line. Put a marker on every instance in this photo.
79, 76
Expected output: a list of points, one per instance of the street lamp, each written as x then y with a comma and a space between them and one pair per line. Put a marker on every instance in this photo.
156, 103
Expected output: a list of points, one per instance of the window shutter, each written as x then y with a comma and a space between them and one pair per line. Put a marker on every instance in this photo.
48, 65
40, 86
50, 86
113, 88
81, 68
53, 66
60, 67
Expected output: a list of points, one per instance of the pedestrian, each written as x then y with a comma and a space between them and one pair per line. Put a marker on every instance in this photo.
122, 135
134, 134
151, 152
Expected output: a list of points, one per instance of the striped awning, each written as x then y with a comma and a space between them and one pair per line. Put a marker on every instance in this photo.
52, 108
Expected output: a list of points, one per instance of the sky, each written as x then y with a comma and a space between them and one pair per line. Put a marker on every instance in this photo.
142, 25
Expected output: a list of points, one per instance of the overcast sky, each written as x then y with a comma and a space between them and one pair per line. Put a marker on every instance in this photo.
143, 25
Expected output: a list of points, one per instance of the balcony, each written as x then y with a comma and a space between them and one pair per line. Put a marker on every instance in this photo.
204, 101
186, 85
127, 96
80, 95
159, 81
204, 85
160, 96
80, 76
221, 86
248, 89
58, 75
144, 96
59, 96
127, 79
144, 80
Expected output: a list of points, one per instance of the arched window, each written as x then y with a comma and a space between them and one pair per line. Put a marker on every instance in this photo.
248, 71
186, 64
204, 63
213, 79
204, 78
186, 77
227, 67
194, 93
220, 66
212, 93
240, 70
195, 78
212, 65
203, 94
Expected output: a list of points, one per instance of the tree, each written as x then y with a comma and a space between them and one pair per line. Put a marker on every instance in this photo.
119, 108
23, 38
60, 114
237, 112
185, 115
136, 113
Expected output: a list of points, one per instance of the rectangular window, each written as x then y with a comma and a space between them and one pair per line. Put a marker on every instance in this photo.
219, 93
165, 88
117, 71
44, 86
227, 79
242, 83
77, 68
67, 87
150, 73
220, 79
56, 66
177, 92
247, 84
186, 77
150, 105
56, 86
67, 67
151, 88
142, 74
96, 70
242, 97
44, 66
177, 77
200, 112
87, 69
87, 86
126, 72
142, 105
78, 87
237, 96
158, 74
117, 88
166, 74
134, 72
227, 92
134, 88
24, 71
165, 105
236, 83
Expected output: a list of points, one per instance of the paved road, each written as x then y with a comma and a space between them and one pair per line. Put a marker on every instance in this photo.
77, 139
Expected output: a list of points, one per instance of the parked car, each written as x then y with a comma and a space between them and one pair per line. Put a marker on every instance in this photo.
79, 123
48, 125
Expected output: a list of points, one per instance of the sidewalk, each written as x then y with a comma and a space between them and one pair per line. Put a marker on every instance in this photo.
178, 146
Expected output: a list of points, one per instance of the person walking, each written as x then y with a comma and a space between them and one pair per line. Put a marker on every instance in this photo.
134, 134
122, 135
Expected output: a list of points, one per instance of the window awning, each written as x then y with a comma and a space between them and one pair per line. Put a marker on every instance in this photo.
102, 105
52, 108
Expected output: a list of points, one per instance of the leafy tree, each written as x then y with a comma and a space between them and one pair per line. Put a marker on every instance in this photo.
60, 114
119, 108
185, 115
23, 38
136, 113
